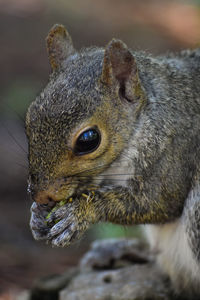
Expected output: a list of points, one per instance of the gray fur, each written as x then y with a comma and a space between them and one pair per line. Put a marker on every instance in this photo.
155, 142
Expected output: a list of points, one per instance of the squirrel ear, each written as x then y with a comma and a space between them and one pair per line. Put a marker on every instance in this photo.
59, 46
119, 67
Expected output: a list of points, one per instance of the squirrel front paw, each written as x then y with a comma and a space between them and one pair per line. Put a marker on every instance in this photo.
66, 226
38, 225
62, 225
115, 253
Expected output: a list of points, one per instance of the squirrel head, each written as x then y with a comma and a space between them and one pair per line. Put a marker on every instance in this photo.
81, 121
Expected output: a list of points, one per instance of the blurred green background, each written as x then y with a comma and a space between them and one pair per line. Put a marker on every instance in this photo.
151, 25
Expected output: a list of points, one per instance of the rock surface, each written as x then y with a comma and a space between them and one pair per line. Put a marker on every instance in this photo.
133, 282
117, 270
114, 269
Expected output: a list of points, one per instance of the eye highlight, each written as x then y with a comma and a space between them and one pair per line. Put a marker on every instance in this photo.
87, 142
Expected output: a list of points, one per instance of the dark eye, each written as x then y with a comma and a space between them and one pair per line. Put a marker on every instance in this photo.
87, 142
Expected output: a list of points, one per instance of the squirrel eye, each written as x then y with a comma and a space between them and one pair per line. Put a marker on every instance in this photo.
87, 142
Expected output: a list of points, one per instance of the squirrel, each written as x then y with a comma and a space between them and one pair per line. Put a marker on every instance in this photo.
114, 137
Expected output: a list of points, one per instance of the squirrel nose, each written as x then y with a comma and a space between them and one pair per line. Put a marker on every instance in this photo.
45, 197
54, 192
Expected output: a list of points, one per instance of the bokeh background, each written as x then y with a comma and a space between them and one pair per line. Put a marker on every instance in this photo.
156, 26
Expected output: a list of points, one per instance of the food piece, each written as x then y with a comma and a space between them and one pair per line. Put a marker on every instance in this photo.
58, 205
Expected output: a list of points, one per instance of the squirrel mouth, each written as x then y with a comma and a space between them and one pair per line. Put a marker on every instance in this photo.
49, 210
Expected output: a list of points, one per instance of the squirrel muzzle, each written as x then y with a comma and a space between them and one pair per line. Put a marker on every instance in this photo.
58, 191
